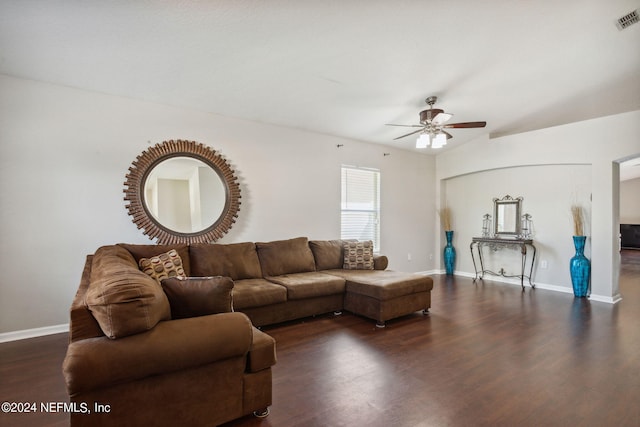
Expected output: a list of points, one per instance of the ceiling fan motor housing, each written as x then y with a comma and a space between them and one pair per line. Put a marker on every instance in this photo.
426, 116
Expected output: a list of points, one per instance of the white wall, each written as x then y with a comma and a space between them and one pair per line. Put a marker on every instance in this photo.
600, 143
630, 201
64, 154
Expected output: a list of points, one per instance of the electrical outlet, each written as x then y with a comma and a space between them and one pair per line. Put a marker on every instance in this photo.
430, 256
544, 264
409, 257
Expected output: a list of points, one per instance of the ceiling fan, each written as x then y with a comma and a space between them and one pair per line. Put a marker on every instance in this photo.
432, 124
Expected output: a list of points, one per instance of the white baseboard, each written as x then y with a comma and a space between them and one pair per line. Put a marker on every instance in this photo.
460, 273
512, 281
429, 272
610, 300
32, 333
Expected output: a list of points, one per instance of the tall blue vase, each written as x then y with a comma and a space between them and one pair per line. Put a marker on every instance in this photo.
449, 253
580, 268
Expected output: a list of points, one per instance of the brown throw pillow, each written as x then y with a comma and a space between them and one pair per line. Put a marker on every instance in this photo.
358, 255
198, 296
281, 257
163, 266
327, 254
236, 260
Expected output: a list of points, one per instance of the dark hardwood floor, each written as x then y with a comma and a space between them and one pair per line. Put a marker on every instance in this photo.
487, 355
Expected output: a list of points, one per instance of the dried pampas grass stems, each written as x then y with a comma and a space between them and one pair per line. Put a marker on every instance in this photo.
578, 220
445, 218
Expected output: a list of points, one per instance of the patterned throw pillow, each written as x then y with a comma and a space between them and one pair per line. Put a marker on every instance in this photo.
358, 255
163, 266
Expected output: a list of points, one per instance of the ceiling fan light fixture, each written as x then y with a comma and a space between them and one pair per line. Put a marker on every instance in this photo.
423, 140
439, 140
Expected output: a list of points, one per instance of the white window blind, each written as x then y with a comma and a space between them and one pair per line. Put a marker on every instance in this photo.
360, 207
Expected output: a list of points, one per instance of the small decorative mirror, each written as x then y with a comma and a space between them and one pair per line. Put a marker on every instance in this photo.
182, 192
507, 216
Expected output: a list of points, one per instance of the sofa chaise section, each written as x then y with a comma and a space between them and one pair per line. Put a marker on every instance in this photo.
376, 293
384, 295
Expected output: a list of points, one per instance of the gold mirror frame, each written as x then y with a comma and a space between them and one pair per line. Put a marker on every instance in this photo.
144, 164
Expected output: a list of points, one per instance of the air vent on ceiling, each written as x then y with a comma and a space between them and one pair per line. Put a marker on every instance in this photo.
628, 20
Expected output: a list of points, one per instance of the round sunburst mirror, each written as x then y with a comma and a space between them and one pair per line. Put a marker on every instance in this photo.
182, 192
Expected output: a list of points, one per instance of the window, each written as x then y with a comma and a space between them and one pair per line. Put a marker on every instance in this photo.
360, 207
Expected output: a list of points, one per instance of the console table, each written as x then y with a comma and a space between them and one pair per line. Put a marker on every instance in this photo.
497, 243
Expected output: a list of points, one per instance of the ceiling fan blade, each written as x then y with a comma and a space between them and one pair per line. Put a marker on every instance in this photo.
465, 125
449, 136
406, 126
410, 133
441, 118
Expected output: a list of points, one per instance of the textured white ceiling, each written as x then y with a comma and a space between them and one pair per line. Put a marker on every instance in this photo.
344, 67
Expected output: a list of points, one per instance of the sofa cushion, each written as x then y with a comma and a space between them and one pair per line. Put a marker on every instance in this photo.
163, 266
198, 296
383, 284
358, 255
285, 257
328, 254
148, 251
257, 293
309, 285
237, 260
123, 300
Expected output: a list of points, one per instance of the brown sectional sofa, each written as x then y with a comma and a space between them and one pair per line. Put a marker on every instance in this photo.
295, 278
126, 351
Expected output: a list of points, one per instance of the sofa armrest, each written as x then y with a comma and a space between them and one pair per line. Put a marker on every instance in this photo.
83, 325
170, 346
380, 262
263, 352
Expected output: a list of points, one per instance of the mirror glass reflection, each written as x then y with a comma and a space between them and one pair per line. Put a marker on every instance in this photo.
506, 218
184, 194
